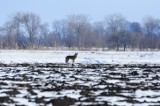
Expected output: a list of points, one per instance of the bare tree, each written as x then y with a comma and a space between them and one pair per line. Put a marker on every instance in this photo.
70, 40
116, 24
19, 37
32, 23
9, 32
136, 35
151, 28
44, 35
100, 34
77, 26
60, 31
12, 33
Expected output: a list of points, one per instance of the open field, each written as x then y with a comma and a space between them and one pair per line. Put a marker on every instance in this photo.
94, 84
85, 57
34, 78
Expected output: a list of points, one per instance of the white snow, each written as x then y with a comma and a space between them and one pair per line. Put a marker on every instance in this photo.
85, 57
87, 77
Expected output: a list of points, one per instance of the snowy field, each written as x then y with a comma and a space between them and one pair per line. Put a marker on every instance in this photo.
41, 78
84, 57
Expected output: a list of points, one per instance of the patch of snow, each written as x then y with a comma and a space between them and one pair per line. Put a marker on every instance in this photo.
85, 57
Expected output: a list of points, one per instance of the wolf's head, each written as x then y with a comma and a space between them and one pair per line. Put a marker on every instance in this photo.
76, 54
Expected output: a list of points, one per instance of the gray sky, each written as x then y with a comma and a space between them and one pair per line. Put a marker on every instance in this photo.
49, 10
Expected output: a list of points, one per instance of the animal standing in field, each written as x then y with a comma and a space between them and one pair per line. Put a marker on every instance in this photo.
71, 57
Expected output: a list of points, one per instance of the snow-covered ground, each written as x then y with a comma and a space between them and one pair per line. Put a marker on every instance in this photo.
85, 57
82, 84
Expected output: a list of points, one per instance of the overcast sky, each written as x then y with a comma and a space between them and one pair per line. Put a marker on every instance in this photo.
49, 10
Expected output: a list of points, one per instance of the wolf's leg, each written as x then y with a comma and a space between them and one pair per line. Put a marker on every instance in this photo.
66, 60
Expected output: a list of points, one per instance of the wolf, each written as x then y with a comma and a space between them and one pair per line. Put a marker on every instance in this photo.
72, 57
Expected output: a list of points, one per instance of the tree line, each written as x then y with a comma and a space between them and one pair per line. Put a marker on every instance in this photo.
115, 32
